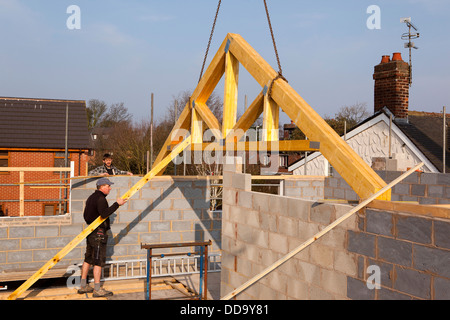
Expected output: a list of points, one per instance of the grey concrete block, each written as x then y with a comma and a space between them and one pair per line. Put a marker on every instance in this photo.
402, 188
379, 222
414, 229
47, 231
418, 190
183, 204
428, 178
34, 243
81, 194
70, 230
8, 245
433, 260
362, 243
3, 233
171, 215
171, 237
149, 237
443, 179
427, 200
395, 251
441, 234
58, 242
160, 226
139, 205
436, 191
150, 193
386, 269
44, 255
441, 289
194, 193
386, 294
321, 213
21, 232
413, 282
357, 290
181, 225
20, 256
76, 206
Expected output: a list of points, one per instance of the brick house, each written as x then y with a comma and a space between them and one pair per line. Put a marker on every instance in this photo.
32, 134
411, 137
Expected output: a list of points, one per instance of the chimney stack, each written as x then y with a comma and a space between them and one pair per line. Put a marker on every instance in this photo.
392, 85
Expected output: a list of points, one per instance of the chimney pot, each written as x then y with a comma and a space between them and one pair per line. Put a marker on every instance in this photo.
385, 59
397, 56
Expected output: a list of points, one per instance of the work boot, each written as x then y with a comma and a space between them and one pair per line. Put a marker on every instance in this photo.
85, 289
102, 293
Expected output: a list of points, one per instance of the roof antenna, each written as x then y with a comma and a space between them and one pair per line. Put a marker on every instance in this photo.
408, 36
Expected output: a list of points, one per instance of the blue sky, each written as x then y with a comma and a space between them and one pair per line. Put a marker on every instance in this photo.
127, 49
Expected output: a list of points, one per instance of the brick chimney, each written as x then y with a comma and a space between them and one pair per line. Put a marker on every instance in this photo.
392, 85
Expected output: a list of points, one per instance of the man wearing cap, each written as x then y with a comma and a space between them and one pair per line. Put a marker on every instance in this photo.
97, 205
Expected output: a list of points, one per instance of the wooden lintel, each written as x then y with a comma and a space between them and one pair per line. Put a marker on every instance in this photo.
274, 146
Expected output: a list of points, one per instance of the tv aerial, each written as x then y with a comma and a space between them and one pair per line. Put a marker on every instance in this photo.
410, 45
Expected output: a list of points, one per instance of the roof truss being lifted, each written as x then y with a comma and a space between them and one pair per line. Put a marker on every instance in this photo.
276, 93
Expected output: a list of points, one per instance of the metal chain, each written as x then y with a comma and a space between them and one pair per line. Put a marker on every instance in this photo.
273, 38
280, 72
210, 38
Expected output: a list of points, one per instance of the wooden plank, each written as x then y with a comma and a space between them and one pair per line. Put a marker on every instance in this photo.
318, 235
282, 145
22, 193
271, 118
72, 244
209, 118
34, 169
341, 156
230, 98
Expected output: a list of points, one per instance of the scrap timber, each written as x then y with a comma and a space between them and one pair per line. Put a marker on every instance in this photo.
275, 93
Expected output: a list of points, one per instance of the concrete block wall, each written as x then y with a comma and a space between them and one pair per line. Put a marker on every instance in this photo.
411, 251
258, 229
165, 210
425, 188
308, 187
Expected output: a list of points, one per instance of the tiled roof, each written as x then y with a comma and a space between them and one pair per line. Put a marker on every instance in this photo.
41, 123
425, 130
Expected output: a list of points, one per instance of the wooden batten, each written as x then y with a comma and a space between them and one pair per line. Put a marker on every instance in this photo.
230, 99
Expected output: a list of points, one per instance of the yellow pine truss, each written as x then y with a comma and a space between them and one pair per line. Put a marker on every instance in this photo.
234, 51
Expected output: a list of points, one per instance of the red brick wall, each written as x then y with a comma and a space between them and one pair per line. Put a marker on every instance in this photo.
35, 159
392, 87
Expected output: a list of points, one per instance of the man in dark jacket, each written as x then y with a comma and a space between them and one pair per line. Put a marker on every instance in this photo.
97, 205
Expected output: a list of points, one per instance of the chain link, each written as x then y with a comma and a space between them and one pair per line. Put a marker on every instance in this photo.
210, 38
280, 71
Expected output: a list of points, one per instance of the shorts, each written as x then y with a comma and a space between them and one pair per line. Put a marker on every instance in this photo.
96, 248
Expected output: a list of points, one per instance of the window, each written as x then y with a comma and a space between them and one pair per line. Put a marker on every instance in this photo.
52, 209
4, 160
59, 159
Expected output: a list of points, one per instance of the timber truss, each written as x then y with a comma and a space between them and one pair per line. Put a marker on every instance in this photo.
276, 93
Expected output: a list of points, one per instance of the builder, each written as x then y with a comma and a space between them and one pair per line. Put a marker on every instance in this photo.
97, 205
107, 168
